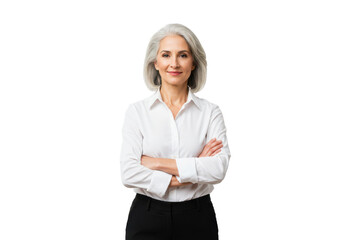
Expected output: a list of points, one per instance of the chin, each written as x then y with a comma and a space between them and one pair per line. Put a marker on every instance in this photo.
175, 81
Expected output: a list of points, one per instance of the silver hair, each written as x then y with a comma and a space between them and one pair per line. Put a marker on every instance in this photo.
197, 79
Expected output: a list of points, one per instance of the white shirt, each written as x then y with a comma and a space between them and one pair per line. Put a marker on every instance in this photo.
150, 129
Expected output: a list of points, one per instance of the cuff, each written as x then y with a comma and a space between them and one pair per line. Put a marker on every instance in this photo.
178, 178
187, 170
159, 183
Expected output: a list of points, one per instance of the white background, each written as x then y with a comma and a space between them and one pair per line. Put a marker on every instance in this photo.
69, 69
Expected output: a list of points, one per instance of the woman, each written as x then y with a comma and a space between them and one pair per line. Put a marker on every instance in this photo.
174, 144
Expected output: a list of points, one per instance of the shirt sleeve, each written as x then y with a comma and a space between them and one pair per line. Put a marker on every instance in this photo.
208, 169
133, 174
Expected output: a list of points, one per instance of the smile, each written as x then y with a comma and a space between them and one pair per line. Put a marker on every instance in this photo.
174, 73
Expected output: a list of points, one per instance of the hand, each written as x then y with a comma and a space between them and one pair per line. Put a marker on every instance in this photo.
149, 162
211, 148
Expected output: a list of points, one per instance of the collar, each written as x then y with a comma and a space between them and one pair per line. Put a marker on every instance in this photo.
157, 96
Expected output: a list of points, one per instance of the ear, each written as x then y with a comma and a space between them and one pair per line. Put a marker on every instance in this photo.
155, 63
193, 67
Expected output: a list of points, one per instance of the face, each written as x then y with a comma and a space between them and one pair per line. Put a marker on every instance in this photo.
174, 60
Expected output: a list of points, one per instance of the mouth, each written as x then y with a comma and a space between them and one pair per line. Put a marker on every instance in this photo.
174, 73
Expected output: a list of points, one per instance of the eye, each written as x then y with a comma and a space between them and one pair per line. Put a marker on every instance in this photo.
165, 55
183, 55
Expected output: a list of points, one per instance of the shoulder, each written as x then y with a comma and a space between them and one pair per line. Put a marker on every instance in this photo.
211, 108
138, 105
206, 104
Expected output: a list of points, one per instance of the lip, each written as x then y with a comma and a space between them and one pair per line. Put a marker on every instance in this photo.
174, 73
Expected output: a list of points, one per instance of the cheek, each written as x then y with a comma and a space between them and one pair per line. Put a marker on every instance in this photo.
162, 63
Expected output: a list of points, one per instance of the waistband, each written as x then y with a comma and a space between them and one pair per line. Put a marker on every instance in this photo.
152, 203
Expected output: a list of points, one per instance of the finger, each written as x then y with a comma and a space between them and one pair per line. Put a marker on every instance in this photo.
213, 142
220, 145
218, 142
208, 145
215, 148
216, 152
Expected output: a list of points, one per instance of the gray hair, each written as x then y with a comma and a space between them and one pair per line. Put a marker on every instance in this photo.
197, 78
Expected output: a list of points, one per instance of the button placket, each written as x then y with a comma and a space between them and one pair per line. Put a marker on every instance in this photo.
174, 140
175, 136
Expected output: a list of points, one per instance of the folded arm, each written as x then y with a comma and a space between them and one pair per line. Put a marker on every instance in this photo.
210, 169
157, 174
133, 174
206, 168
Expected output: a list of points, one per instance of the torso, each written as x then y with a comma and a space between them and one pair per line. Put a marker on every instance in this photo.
176, 136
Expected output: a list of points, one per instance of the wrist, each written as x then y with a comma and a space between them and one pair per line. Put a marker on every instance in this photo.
168, 165
174, 182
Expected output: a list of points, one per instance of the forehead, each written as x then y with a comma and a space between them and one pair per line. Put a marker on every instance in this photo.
173, 42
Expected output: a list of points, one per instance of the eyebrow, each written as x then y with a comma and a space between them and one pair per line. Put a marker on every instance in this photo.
169, 51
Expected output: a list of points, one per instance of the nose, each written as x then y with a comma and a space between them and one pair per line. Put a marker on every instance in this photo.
174, 62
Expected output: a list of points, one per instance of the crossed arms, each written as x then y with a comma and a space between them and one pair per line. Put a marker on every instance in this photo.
156, 175
169, 165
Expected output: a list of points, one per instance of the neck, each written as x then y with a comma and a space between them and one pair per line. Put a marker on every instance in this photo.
174, 95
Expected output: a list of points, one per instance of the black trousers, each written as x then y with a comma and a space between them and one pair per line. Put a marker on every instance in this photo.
151, 219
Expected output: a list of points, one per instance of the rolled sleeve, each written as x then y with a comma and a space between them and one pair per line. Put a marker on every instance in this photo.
159, 183
187, 170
